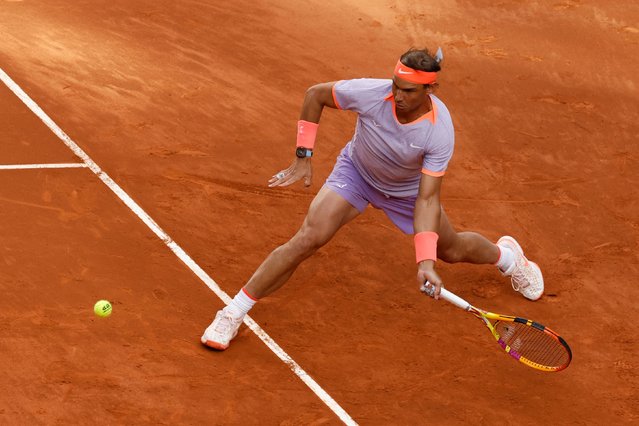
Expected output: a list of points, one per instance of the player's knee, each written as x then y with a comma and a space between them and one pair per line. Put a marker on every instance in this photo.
308, 241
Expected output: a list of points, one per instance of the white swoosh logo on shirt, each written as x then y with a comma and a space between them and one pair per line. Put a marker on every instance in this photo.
415, 146
342, 185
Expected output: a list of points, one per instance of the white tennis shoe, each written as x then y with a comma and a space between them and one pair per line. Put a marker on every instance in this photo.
525, 275
222, 330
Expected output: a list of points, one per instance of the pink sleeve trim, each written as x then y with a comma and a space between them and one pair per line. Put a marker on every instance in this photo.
335, 97
434, 174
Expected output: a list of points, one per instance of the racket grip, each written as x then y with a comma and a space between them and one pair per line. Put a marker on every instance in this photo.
448, 296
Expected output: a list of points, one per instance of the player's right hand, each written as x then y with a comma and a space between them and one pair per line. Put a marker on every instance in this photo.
429, 279
300, 168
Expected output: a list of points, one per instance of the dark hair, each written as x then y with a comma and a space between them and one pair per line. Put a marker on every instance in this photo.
420, 59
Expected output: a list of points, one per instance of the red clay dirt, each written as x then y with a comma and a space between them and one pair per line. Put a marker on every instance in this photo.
191, 106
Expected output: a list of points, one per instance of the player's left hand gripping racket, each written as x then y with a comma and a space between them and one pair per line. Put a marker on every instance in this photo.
527, 341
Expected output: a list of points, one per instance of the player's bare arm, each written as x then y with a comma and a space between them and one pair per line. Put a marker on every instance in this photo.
317, 97
427, 216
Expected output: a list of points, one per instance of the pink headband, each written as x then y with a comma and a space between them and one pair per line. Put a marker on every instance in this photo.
414, 76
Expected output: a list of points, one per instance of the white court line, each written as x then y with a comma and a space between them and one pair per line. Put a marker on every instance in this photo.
179, 252
42, 166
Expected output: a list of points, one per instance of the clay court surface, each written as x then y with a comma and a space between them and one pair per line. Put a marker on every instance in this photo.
191, 106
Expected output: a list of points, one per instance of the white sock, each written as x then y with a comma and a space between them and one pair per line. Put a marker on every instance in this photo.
506, 259
241, 303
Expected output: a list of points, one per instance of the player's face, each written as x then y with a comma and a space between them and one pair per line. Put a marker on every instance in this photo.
408, 96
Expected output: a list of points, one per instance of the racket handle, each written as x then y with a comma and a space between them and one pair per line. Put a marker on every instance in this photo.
448, 296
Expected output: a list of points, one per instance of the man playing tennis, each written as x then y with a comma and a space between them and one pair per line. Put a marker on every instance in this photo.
395, 161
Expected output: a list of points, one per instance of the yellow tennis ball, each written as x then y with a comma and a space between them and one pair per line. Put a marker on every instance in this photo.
102, 308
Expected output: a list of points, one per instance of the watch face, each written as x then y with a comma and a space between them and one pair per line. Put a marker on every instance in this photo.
302, 152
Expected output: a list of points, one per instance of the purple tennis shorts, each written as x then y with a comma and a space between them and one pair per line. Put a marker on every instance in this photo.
347, 182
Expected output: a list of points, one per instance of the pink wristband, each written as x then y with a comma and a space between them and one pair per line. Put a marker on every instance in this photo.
306, 133
426, 246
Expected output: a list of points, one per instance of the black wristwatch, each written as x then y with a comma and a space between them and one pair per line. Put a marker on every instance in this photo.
302, 152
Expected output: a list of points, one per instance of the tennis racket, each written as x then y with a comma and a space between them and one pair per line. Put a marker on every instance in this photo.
526, 341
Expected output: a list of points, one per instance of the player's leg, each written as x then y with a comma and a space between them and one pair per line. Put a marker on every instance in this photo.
470, 247
507, 255
452, 246
327, 213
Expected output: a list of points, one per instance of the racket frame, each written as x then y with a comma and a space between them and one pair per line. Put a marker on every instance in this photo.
486, 316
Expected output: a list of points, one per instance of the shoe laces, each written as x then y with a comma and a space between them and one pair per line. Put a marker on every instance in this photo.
519, 278
226, 323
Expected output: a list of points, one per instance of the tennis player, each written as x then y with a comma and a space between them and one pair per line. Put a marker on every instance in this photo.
395, 161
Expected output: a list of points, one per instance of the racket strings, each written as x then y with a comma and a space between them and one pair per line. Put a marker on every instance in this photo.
533, 344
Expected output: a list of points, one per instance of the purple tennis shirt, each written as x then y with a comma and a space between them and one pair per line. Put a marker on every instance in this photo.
390, 155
